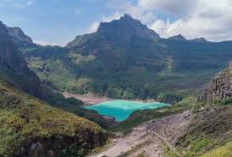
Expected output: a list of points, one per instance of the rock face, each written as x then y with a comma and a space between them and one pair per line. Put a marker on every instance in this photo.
126, 28
220, 87
13, 67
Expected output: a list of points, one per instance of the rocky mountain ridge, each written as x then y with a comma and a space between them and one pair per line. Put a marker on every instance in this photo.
220, 87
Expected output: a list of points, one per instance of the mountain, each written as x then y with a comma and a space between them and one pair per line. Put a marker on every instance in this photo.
18, 34
126, 29
13, 67
199, 40
178, 38
19, 37
125, 59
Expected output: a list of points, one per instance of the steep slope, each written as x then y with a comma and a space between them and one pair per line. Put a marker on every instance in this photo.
29, 127
125, 59
13, 67
220, 87
211, 128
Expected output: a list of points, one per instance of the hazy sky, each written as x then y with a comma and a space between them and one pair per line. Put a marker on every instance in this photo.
59, 21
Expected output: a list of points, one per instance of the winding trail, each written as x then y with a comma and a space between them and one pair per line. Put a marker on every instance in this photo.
151, 137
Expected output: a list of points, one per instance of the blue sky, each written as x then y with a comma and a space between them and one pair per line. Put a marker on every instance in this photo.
59, 21
54, 21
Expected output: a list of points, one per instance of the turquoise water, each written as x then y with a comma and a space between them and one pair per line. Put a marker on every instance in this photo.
121, 109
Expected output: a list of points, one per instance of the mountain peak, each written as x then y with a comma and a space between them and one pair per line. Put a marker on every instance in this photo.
178, 37
199, 40
126, 28
17, 34
127, 16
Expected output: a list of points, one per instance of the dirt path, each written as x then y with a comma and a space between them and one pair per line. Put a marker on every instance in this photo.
151, 137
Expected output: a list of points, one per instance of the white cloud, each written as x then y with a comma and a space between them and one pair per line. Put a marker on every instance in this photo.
171, 7
23, 5
211, 19
115, 16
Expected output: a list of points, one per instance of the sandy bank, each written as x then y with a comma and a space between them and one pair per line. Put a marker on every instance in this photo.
88, 99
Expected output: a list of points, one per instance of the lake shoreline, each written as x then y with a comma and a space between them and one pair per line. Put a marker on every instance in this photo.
90, 99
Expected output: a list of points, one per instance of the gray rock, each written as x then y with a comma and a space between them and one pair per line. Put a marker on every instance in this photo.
220, 87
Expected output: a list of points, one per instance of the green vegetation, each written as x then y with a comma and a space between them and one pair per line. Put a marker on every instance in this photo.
223, 151
169, 153
210, 132
141, 155
25, 120
127, 65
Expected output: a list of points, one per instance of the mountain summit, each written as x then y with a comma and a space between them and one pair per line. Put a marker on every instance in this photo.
126, 29
178, 37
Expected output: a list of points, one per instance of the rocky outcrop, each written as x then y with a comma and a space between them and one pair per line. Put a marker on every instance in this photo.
220, 87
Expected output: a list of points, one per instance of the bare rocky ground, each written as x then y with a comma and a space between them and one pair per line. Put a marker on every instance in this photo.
151, 138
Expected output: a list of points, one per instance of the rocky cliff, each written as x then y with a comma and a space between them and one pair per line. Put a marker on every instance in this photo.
220, 87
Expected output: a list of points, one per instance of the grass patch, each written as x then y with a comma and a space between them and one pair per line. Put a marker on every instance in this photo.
223, 151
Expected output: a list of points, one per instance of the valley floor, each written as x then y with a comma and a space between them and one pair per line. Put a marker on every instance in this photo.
151, 138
